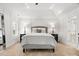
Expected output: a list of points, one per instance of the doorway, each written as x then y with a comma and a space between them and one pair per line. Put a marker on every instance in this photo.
2, 31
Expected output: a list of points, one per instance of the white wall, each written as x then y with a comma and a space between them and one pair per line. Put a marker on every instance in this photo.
29, 22
8, 19
67, 32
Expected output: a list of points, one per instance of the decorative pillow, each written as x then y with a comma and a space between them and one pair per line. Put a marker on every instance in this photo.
38, 30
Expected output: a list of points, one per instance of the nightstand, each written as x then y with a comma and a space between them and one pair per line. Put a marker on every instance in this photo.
21, 36
55, 36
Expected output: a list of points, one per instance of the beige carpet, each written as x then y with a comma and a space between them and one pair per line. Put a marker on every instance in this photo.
62, 50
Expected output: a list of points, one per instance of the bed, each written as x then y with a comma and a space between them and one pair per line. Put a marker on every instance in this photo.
38, 40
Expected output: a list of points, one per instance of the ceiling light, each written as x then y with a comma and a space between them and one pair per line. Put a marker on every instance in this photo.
27, 6
59, 12
74, 17
51, 7
52, 24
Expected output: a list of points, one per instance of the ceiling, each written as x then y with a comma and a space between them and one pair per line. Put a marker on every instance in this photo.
40, 10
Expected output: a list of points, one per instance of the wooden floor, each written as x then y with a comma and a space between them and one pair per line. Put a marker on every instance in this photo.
62, 50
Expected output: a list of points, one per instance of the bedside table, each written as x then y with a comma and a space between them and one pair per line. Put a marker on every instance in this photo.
21, 36
55, 36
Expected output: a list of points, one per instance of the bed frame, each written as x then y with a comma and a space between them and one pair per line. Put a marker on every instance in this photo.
41, 27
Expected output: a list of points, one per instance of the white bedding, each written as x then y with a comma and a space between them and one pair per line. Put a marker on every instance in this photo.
38, 34
38, 40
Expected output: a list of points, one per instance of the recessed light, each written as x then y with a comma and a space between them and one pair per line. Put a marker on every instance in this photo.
74, 17
28, 7
51, 7
60, 11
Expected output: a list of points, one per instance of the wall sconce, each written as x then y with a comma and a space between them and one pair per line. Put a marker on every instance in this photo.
52, 27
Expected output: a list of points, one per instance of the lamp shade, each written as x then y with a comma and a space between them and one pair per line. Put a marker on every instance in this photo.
52, 24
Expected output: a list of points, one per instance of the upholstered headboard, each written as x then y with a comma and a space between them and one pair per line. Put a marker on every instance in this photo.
39, 29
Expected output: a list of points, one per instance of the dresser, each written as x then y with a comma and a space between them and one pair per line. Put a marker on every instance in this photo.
55, 36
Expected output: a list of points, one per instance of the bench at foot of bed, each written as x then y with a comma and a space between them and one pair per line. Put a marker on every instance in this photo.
53, 50
24, 50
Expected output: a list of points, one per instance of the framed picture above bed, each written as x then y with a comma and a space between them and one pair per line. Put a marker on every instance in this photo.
39, 29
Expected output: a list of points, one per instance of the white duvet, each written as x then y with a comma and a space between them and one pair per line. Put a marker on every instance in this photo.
43, 40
